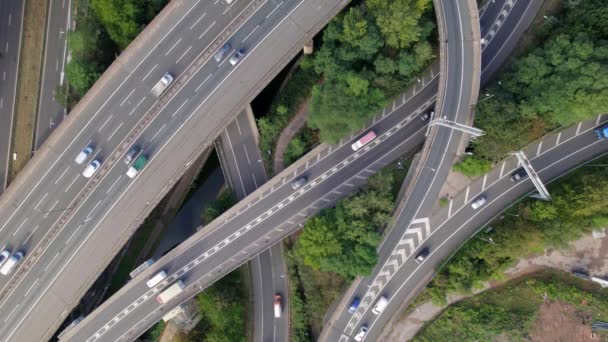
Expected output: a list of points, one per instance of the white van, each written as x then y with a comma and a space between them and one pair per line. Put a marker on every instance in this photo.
160, 276
380, 305
10, 264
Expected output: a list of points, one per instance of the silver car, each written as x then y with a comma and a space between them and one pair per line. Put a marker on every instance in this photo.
361, 334
478, 202
237, 56
299, 182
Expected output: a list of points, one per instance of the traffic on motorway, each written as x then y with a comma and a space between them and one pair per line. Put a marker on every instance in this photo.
112, 129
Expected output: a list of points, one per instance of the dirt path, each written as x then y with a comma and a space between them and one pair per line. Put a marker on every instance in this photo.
586, 253
294, 126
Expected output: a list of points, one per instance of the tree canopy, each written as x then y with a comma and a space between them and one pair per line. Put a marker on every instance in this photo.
343, 239
369, 53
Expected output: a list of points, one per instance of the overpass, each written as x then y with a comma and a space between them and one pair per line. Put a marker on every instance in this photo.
514, 18
71, 227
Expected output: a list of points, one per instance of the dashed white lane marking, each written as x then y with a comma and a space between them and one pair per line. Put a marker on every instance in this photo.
250, 33
173, 47
466, 195
127, 98
149, 72
274, 9
207, 30
183, 54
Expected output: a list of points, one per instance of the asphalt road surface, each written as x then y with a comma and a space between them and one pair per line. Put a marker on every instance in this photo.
243, 166
50, 113
11, 26
106, 210
264, 218
452, 225
455, 101
392, 259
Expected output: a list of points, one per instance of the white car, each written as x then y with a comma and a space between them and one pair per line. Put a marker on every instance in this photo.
10, 264
237, 56
91, 168
361, 334
478, 202
84, 154
4, 256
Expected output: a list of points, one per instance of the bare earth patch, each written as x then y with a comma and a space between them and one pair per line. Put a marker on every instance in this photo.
561, 322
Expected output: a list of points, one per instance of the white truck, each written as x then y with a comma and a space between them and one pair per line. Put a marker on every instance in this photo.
171, 292
163, 84
277, 306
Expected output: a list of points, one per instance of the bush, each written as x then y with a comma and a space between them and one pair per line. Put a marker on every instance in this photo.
294, 151
224, 201
472, 167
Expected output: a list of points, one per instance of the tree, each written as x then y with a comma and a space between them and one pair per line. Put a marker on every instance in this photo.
472, 167
340, 107
399, 21
82, 75
123, 19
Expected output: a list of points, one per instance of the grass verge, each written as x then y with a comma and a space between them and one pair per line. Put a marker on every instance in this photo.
511, 310
28, 80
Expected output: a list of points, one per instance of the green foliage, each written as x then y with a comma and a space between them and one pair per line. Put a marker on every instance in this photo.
343, 240
124, 19
154, 333
339, 108
472, 167
578, 206
287, 103
563, 81
299, 319
400, 21
295, 150
510, 311
222, 309
224, 201
82, 75
369, 54
104, 28
443, 202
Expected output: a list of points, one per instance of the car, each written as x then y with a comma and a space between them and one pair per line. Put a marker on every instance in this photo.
4, 256
364, 140
519, 174
10, 264
84, 154
299, 182
132, 154
361, 333
237, 56
91, 168
221, 52
602, 132
426, 115
167, 79
380, 305
158, 277
478, 202
354, 305
422, 255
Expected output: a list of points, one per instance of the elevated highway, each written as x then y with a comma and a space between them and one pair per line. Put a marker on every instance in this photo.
71, 227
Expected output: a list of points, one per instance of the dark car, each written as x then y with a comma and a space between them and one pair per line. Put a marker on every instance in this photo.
354, 305
422, 255
222, 52
519, 174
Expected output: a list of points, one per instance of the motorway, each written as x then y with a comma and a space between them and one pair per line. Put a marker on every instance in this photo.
50, 113
458, 90
552, 157
11, 26
243, 167
392, 258
264, 217
103, 212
